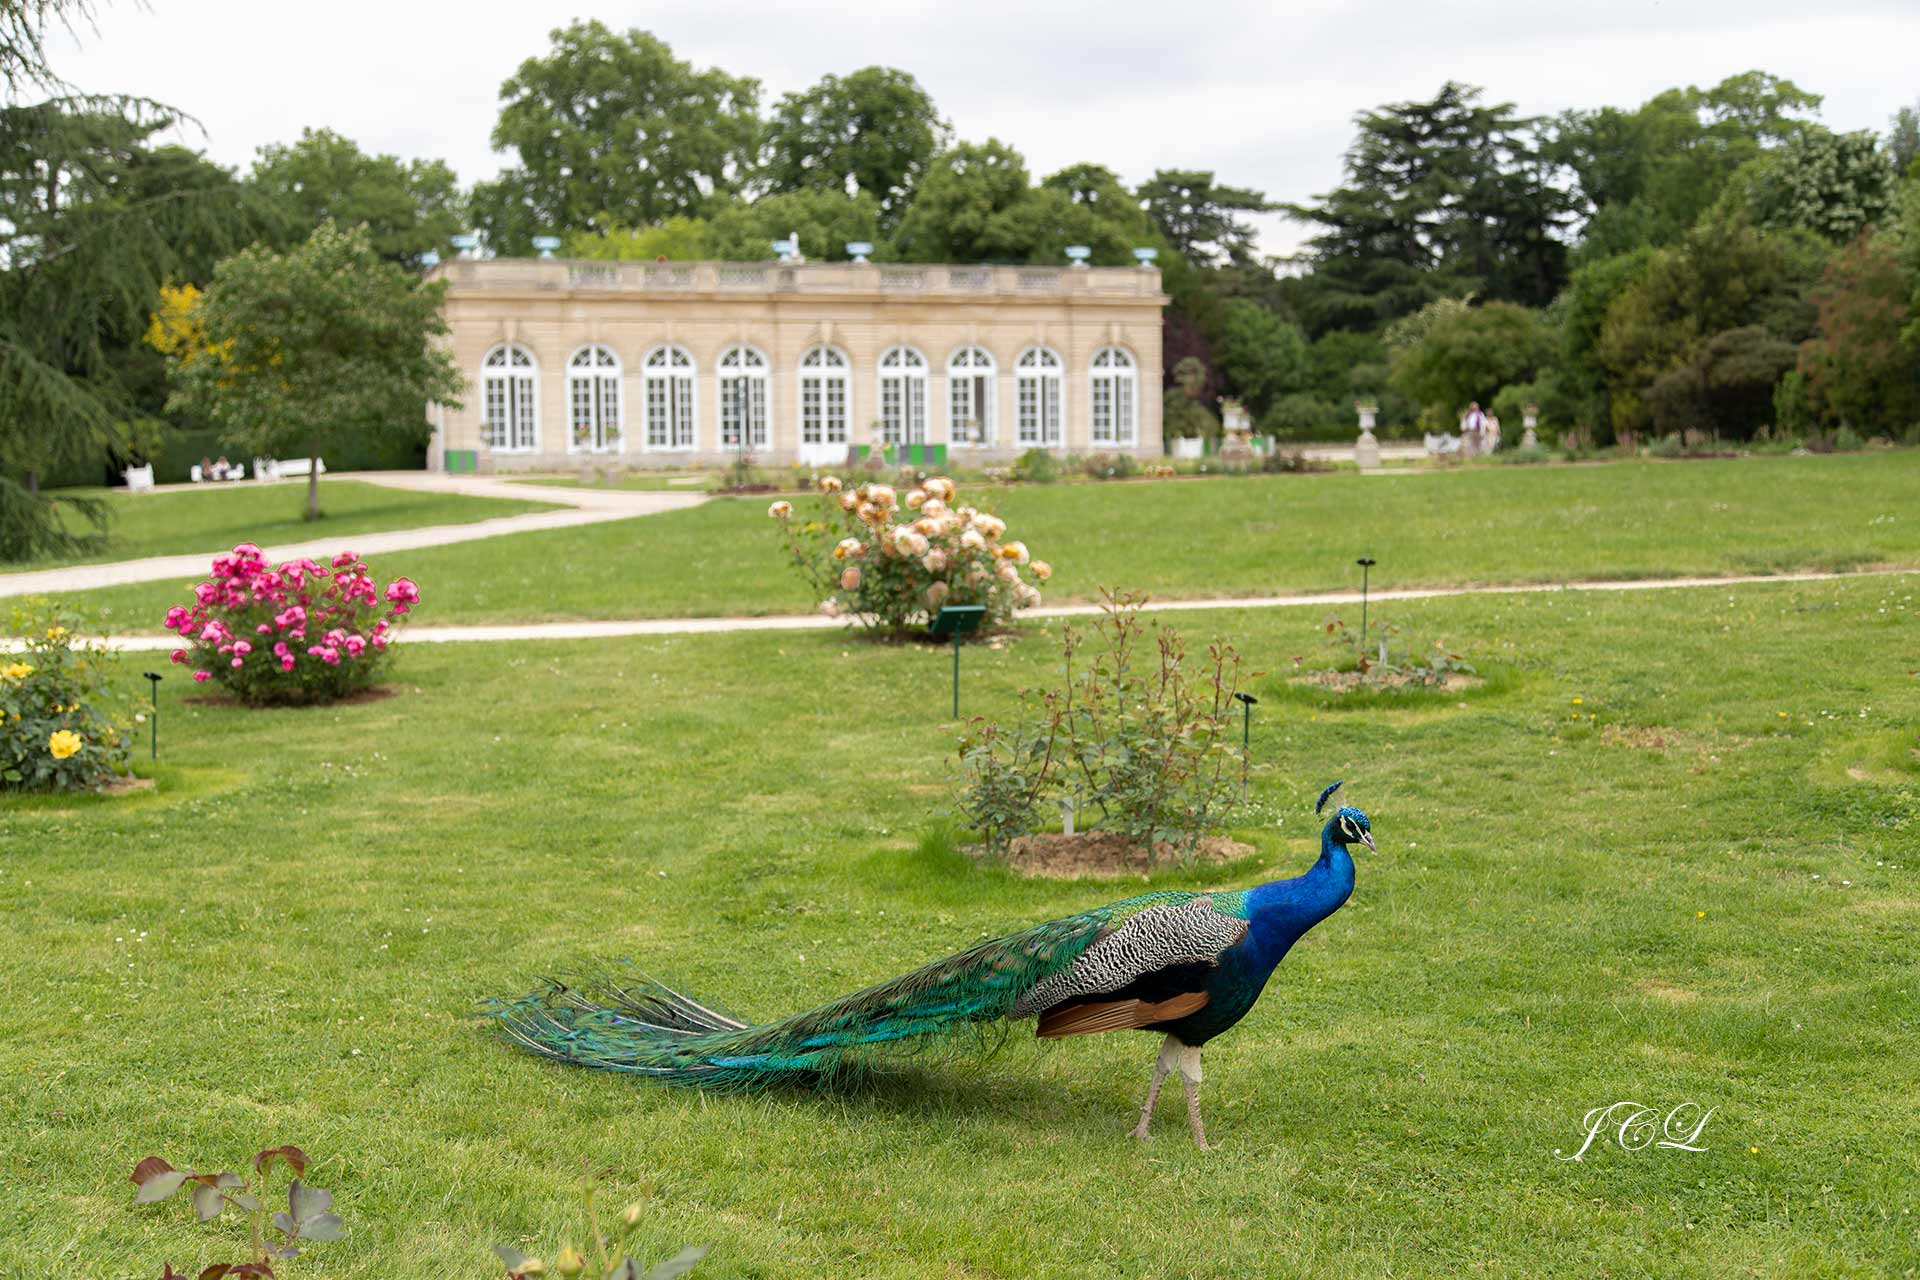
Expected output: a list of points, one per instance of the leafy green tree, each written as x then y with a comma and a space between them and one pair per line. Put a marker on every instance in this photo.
870, 133
1832, 184
1903, 141
826, 222
676, 240
1442, 198
410, 207
1087, 204
610, 124
968, 208
1645, 177
1582, 312
1859, 371
1184, 411
1724, 275
1263, 357
93, 220
317, 349
1201, 218
1725, 386
1468, 354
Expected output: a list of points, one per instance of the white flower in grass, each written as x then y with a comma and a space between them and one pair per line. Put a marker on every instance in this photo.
830, 607
847, 547
991, 526
935, 561
939, 487
1014, 551
849, 501
829, 484
972, 541
1025, 597
926, 528
1042, 570
1006, 572
915, 497
932, 507
780, 510
881, 496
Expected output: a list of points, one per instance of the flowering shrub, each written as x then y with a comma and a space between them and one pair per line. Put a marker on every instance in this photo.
302, 632
892, 562
56, 730
1138, 741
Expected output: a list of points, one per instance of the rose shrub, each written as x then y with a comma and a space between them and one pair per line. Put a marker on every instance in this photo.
299, 633
58, 727
892, 561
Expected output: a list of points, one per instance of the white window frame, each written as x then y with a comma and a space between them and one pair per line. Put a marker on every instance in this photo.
1114, 393
973, 393
903, 396
669, 394
1040, 394
593, 386
510, 399
744, 383
825, 384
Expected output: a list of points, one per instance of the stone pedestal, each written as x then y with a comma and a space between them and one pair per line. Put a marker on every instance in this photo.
1236, 438
1366, 451
1529, 422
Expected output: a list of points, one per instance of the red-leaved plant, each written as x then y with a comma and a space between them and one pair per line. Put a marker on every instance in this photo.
307, 1219
298, 632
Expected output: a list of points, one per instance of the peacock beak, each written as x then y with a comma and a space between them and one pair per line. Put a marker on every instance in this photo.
1366, 838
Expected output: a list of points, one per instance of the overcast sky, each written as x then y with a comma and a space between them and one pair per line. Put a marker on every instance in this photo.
1262, 93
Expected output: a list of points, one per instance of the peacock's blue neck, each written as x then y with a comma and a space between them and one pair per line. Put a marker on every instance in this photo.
1280, 911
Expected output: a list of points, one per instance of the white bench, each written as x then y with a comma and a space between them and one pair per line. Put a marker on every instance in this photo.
291, 468
139, 479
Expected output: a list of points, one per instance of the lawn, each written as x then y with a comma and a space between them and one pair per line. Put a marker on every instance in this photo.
1227, 537
213, 518
1669, 892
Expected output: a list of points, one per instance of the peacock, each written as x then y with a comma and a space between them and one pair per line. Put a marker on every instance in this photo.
1188, 964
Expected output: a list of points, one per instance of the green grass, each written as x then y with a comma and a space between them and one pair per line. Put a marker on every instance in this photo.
285, 941
215, 518
1225, 537
643, 481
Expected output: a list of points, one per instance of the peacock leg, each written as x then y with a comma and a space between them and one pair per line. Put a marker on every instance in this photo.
1189, 1066
1169, 1057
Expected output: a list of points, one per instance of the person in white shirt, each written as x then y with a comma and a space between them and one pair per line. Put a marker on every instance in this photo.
1472, 429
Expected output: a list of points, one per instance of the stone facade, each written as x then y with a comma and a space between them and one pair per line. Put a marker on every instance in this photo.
577, 363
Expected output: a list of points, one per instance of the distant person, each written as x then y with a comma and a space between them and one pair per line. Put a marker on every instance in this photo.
1473, 430
221, 467
1492, 433
205, 469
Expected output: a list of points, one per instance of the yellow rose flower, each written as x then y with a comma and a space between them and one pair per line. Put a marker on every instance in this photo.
16, 671
63, 743
54, 633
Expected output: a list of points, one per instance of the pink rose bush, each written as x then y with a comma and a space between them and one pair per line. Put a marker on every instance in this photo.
294, 633
891, 560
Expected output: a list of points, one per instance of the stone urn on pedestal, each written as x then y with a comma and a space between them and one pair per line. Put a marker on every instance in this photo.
1529, 422
1236, 433
1366, 451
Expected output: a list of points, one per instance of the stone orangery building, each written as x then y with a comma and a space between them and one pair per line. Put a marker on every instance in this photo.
667, 364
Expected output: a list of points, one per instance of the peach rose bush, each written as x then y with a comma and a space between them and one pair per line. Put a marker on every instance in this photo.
300, 632
891, 560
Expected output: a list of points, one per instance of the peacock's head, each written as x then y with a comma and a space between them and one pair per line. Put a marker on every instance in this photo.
1349, 826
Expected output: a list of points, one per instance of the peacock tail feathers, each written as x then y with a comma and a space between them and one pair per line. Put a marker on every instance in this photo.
645, 1028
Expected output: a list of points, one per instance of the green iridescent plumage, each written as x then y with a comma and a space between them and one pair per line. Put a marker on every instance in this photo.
647, 1029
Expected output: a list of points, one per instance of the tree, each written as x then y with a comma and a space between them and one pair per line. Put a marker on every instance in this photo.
825, 221
93, 220
614, 125
871, 133
1859, 372
1442, 198
1582, 310
1724, 275
1198, 216
1832, 184
316, 347
1903, 140
1184, 410
968, 208
1467, 354
1262, 356
1645, 177
1724, 386
410, 207
676, 240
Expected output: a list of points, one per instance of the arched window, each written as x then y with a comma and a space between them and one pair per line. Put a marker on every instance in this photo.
1116, 397
669, 384
743, 398
1039, 398
903, 396
593, 400
510, 395
970, 397
823, 402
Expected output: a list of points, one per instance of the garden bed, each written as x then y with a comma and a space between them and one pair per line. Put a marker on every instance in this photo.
1105, 855
1376, 680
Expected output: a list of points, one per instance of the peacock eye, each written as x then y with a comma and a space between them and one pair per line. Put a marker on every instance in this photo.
1346, 826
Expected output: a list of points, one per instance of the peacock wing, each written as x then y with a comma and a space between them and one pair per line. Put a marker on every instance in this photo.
1151, 966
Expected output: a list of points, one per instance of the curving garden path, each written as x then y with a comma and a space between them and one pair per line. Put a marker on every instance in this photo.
582, 506
818, 622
